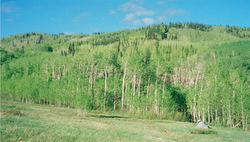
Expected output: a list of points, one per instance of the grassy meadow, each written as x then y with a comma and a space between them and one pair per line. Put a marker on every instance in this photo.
35, 122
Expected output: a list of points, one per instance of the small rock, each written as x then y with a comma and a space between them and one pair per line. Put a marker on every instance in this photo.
202, 125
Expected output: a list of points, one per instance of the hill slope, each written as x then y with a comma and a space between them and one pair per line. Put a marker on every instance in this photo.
192, 72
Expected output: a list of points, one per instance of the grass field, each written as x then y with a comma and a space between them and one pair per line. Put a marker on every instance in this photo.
32, 122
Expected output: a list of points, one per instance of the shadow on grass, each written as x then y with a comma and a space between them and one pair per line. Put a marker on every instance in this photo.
107, 116
202, 131
14, 106
5, 106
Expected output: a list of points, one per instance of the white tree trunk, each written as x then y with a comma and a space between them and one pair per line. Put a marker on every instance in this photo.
147, 93
123, 83
105, 89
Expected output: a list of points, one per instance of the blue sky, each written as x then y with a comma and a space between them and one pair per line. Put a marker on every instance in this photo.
89, 16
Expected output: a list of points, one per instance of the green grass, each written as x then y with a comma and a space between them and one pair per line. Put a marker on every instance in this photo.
48, 123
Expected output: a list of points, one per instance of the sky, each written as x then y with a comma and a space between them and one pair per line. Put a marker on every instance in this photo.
90, 16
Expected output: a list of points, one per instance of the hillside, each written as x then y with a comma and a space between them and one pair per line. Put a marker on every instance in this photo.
193, 72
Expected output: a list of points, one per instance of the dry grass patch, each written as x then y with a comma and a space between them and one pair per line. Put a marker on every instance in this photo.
14, 111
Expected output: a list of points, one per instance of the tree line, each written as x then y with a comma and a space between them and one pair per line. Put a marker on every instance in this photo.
142, 75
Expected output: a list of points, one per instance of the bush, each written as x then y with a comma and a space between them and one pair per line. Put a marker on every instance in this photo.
49, 48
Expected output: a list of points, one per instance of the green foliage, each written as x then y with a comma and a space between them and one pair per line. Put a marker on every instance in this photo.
239, 32
195, 26
5, 56
49, 48
197, 72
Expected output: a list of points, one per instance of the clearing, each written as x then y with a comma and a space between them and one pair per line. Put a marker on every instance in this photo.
33, 122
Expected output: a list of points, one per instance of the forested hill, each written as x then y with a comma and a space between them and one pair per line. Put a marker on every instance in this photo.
179, 71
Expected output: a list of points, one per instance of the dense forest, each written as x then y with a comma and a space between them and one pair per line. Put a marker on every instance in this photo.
175, 71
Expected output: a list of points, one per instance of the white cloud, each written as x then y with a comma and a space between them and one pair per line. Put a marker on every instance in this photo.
175, 11
9, 20
148, 21
69, 33
80, 16
111, 12
136, 9
160, 2
161, 18
145, 13
136, 22
96, 30
135, 13
8, 7
137, 1
129, 17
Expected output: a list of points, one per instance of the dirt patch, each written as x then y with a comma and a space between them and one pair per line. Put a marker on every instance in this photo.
167, 131
160, 139
154, 138
150, 126
100, 126
1, 114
